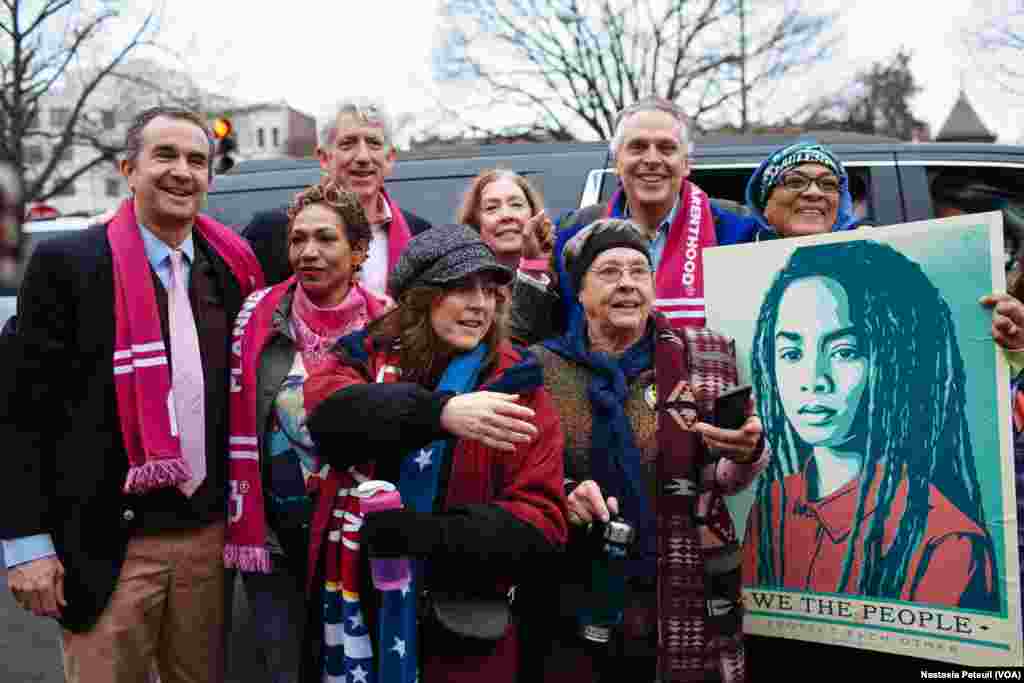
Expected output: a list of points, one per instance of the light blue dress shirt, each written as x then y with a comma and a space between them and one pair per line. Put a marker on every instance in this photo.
658, 243
159, 255
27, 548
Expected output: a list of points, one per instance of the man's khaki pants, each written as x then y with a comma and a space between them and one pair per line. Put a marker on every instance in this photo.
167, 608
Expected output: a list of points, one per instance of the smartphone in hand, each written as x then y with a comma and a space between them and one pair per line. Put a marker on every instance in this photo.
731, 407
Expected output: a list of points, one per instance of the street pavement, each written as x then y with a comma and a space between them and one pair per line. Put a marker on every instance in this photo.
30, 649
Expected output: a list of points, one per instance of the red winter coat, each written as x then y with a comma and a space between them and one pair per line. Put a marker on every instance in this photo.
500, 513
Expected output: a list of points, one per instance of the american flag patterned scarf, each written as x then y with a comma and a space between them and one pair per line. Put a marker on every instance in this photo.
348, 648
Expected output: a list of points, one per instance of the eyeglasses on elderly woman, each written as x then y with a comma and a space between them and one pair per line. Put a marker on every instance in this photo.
612, 273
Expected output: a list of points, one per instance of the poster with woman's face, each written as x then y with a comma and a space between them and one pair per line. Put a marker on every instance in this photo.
886, 518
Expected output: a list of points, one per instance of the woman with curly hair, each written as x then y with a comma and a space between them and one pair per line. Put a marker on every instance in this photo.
283, 334
873, 489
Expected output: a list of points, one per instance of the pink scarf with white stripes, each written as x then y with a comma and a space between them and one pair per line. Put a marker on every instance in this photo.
142, 378
679, 282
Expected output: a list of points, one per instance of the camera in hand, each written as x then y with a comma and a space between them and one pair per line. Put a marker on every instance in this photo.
614, 537
610, 543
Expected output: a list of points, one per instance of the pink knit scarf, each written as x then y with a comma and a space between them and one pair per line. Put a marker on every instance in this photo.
398, 232
317, 329
142, 378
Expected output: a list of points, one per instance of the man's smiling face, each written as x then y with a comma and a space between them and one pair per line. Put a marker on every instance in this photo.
652, 160
170, 175
359, 157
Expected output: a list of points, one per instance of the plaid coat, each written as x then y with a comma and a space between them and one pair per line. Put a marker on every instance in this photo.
713, 370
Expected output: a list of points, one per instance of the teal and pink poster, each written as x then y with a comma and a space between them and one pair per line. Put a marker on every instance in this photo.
886, 519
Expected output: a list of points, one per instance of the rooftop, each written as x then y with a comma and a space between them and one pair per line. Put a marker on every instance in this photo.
964, 124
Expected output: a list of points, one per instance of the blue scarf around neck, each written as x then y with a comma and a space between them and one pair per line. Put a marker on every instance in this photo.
418, 482
614, 455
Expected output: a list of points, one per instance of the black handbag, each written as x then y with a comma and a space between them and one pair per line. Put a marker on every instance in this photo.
477, 618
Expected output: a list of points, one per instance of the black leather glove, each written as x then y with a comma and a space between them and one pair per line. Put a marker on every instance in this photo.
401, 533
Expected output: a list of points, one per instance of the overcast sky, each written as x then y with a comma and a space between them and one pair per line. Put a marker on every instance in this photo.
311, 52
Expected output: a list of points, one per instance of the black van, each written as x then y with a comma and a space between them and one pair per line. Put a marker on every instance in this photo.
430, 184
892, 181
895, 182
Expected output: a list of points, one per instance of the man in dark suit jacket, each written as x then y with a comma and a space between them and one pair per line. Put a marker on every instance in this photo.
357, 150
131, 576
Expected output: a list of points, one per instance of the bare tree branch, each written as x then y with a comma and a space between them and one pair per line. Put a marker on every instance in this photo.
63, 54
997, 47
577, 63
50, 44
48, 10
58, 63
36, 188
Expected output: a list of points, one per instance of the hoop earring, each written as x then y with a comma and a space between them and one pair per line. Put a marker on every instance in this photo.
358, 259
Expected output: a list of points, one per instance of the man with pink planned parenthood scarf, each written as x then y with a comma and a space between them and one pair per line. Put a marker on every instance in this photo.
651, 147
114, 477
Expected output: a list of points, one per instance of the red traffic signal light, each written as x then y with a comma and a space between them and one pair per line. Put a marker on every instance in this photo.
223, 131
222, 128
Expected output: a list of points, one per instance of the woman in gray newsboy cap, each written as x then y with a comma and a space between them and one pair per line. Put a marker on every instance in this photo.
422, 400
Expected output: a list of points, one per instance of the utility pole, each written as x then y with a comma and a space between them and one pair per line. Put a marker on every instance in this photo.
743, 66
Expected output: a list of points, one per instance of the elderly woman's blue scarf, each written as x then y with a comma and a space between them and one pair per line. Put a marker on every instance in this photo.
614, 455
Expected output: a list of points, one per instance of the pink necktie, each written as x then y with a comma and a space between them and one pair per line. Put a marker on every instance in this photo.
187, 377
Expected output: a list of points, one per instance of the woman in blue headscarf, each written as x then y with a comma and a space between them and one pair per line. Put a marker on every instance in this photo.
801, 189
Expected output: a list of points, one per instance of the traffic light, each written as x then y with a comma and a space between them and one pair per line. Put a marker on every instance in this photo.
226, 144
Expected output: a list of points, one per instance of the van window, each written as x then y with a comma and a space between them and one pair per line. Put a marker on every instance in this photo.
723, 183
958, 190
